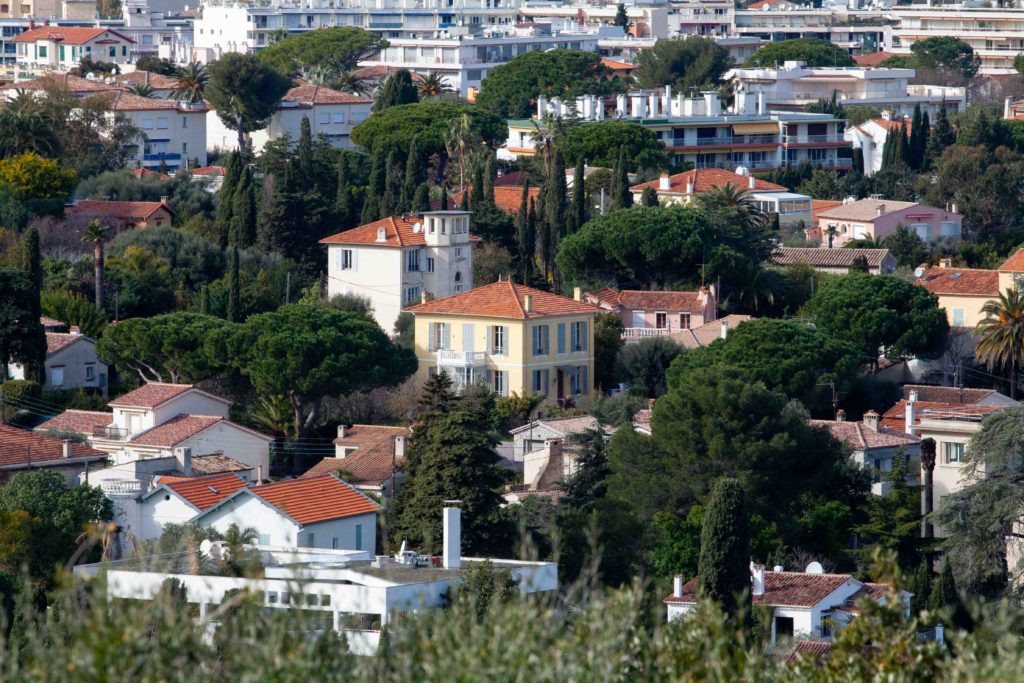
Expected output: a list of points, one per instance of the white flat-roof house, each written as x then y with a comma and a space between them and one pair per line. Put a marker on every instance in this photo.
396, 261
59, 48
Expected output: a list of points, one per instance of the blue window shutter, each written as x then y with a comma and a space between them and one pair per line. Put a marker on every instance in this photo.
490, 379
561, 337
547, 381
583, 327
585, 380
572, 337
430, 338
547, 339
490, 339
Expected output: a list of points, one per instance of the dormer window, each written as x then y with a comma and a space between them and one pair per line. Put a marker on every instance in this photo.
382, 235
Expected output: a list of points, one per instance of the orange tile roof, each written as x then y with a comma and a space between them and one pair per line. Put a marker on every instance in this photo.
205, 492
617, 66
127, 101
175, 430
960, 281
707, 179
76, 421
55, 341
827, 258
763, 3
151, 78
504, 300
48, 322
75, 84
374, 460
872, 59
69, 35
19, 446
210, 170
150, 395
697, 337
928, 392
506, 197
514, 178
647, 300
114, 209
309, 94
888, 124
400, 231
821, 205
317, 499
148, 173
859, 436
782, 589
1014, 264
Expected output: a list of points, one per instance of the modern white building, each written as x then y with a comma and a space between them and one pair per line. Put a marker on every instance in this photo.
794, 85
156, 33
59, 48
355, 592
399, 261
995, 32
853, 30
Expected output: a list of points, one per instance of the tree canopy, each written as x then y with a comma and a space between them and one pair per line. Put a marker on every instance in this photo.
683, 63
946, 53
873, 311
598, 144
334, 48
427, 122
245, 91
512, 89
722, 572
22, 339
164, 348
814, 51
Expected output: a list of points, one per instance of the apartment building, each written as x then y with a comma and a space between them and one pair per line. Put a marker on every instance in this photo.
155, 33
60, 48
794, 85
996, 33
856, 31
513, 338
175, 132
700, 131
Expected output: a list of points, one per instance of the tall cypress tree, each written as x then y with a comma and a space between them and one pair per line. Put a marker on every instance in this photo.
376, 185
723, 574
421, 200
393, 178
304, 154
245, 216
904, 149
524, 240
532, 229
225, 205
555, 209
282, 217
33, 266
891, 150
397, 89
940, 137
477, 184
926, 131
234, 287
622, 198
577, 215
916, 155
343, 208
415, 173
543, 234
490, 176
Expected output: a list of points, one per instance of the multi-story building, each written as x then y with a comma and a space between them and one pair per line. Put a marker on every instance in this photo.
856, 31
156, 34
963, 292
60, 48
395, 261
511, 337
699, 131
175, 132
995, 33
878, 218
794, 85
647, 314
232, 26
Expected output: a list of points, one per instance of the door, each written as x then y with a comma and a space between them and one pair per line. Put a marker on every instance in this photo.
561, 384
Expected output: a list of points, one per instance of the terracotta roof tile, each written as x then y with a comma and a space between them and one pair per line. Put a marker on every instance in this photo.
515, 178
702, 335
175, 430
316, 499
506, 198
782, 589
18, 446
1014, 264
815, 649
934, 402
114, 209
74, 84
126, 101
150, 78
69, 35
827, 258
307, 93
373, 461
76, 421
149, 173
399, 231
647, 300
150, 395
617, 66
55, 341
859, 436
504, 300
210, 171
872, 59
867, 209
217, 463
819, 206
707, 179
205, 492
52, 323
960, 281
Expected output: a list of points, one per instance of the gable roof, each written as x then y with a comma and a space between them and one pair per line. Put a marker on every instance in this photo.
782, 589
504, 300
827, 258
115, 209
506, 197
317, 499
399, 231
69, 35
951, 395
1013, 264
153, 394
867, 209
309, 94
210, 171
648, 300
566, 426
175, 430
150, 78
859, 436
76, 421
203, 493
515, 178
873, 58
74, 84
960, 281
373, 461
702, 335
128, 101
18, 447
820, 206
55, 341
707, 179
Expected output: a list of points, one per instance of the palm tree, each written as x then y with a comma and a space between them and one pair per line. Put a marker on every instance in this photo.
460, 140
433, 85
96, 232
276, 415
342, 81
756, 285
25, 126
142, 90
1001, 335
192, 81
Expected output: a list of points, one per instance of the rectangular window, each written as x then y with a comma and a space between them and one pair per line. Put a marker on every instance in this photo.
124, 50
783, 627
440, 337
57, 377
90, 373
412, 260
347, 260
161, 122
146, 123
541, 340
684, 321
334, 543
954, 452
339, 117
540, 381
324, 118
359, 536
184, 122
958, 317
430, 264
112, 51
42, 51
499, 340
578, 338
661, 320
458, 251
411, 295
271, 597
264, 539
949, 229
500, 382
62, 53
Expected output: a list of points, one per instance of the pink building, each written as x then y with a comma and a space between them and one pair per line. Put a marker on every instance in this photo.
652, 314
878, 218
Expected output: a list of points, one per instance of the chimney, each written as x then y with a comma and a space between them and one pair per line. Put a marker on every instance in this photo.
1007, 108
677, 586
163, 200
752, 181
259, 475
871, 421
689, 186
927, 486
76, 330
184, 457
664, 182
452, 556
953, 208
341, 431
528, 303
577, 294
554, 447
880, 210
757, 578
425, 297
911, 414
945, 263
67, 449
399, 447
725, 329
840, 415
778, 568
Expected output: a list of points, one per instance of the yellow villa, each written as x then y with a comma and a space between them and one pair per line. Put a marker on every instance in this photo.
513, 338
962, 292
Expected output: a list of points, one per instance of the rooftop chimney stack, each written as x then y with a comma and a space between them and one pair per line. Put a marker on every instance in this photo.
76, 330
577, 293
689, 186
757, 579
341, 431
664, 183
840, 415
725, 329
452, 556
911, 414
67, 449
871, 421
677, 586
881, 209
528, 303
399, 447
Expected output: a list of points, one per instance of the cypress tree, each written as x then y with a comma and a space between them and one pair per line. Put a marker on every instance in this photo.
234, 288
304, 154
723, 574
904, 149
531, 236
415, 173
282, 216
490, 175
622, 198
621, 18
393, 179
397, 89
649, 197
926, 131
477, 187
204, 300
343, 194
916, 141
466, 204
445, 201
421, 200
375, 186
945, 595
940, 137
33, 267
890, 152
245, 217
543, 234
524, 240
921, 587
578, 208
226, 207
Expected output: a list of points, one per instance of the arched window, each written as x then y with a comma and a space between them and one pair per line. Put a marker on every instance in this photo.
458, 282
458, 276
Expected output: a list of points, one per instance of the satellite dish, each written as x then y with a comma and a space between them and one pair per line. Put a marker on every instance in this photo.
919, 272
90, 76
814, 568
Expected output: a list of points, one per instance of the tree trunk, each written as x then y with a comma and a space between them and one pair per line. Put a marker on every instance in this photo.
240, 123
1013, 378
98, 259
297, 409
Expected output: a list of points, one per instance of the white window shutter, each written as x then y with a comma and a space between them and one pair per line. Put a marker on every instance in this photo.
447, 336
505, 340
355, 259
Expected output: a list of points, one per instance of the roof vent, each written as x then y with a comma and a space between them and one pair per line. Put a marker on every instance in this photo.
417, 227
213, 489
382, 235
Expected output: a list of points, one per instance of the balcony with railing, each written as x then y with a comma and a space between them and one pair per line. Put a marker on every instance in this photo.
463, 359
724, 141
110, 433
631, 334
813, 139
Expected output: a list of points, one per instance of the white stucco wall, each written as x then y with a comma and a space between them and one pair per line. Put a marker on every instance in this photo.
377, 275
159, 510
343, 531
247, 511
233, 442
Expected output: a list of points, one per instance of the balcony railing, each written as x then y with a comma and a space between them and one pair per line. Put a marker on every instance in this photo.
461, 358
808, 139
110, 433
637, 333
725, 140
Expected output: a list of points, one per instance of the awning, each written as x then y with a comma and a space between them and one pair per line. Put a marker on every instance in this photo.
763, 128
